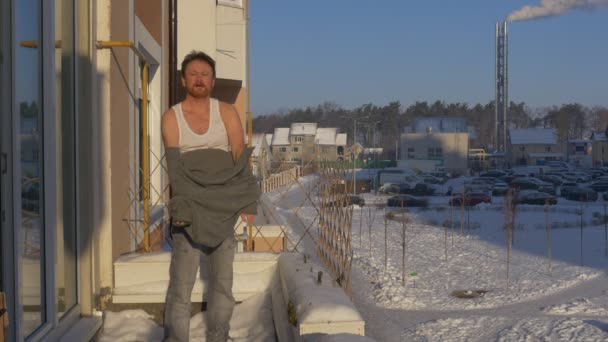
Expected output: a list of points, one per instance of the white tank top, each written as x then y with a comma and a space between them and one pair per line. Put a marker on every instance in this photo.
215, 137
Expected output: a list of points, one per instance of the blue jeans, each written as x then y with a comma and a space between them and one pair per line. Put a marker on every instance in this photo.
185, 260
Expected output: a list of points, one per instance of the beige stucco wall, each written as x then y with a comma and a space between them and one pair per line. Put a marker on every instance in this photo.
120, 124
219, 31
455, 148
150, 12
231, 49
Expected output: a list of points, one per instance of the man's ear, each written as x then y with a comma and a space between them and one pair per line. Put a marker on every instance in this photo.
183, 81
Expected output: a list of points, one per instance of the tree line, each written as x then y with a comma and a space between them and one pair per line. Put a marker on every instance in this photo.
381, 126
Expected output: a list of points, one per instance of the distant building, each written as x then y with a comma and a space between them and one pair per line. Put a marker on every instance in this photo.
599, 148
579, 152
305, 142
533, 146
435, 144
262, 156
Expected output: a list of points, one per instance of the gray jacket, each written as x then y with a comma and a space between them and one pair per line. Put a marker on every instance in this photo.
209, 191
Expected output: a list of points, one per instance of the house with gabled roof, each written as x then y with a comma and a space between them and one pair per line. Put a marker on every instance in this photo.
534, 146
261, 157
304, 143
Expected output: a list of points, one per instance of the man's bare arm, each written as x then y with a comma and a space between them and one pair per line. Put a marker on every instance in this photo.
169, 129
232, 121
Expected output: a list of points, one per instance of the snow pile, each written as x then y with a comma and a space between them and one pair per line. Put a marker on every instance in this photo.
544, 329
130, 325
251, 321
313, 302
581, 306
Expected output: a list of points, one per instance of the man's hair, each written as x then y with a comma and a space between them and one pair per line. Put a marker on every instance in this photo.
197, 56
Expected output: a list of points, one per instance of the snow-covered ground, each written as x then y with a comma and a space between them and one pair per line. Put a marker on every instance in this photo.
407, 270
525, 296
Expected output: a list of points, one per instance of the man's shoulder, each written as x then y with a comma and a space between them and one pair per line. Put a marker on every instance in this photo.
226, 108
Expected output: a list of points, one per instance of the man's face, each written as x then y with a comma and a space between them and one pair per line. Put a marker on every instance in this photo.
198, 79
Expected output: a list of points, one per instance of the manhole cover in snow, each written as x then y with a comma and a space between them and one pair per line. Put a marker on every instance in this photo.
467, 294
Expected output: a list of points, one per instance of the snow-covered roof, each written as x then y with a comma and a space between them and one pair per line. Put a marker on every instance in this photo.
269, 139
280, 136
303, 128
326, 136
341, 139
531, 136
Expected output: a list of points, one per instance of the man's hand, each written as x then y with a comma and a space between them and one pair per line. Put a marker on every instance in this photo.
248, 218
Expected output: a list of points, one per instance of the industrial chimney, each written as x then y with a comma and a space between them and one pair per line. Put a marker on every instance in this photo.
502, 82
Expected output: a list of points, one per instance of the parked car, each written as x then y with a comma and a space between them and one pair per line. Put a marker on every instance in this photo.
531, 183
566, 188
582, 194
441, 175
599, 186
406, 201
535, 198
389, 188
553, 179
494, 173
499, 189
576, 176
348, 200
430, 179
420, 189
470, 199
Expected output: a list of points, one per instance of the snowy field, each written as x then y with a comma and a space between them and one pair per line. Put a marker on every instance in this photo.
411, 272
528, 296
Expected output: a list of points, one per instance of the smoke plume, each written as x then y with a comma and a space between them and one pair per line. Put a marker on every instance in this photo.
549, 8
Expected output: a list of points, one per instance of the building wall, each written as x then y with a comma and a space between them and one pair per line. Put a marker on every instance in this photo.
219, 31
517, 153
454, 148
121, 111
150, 12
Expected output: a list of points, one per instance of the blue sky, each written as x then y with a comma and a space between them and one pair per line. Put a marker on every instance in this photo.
360, 51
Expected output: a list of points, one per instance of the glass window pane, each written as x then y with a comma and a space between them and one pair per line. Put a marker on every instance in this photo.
28, 77
65, 262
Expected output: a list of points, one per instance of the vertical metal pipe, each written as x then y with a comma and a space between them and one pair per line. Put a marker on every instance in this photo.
173, 52
249, 114
505, 84
496, 85
145, 153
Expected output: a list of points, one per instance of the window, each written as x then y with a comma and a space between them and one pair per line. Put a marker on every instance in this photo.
297, 139
283, 149
548, 148
522, 148
295, 149
411, 153
435, 152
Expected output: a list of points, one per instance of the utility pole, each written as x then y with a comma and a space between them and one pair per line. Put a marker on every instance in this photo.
354, 143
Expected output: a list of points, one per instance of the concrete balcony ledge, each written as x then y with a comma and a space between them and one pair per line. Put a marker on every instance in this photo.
302, 308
